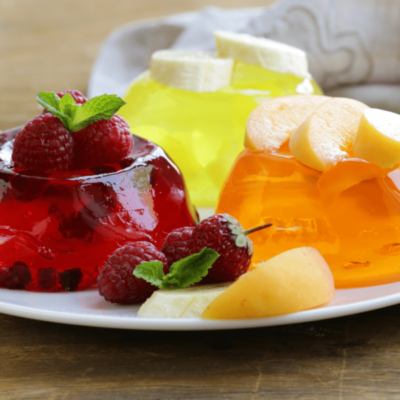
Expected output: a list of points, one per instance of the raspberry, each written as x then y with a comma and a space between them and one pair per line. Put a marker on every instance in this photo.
174, 246
116, 281
71, 279
47, 278
44, 144
104, 142
225, 235
16, 277
76, 95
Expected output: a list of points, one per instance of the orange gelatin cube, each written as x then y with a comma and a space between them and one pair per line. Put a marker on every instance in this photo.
350, 213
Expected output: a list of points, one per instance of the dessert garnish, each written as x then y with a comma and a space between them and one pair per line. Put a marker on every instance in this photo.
71, 135
44, 144
76, 116
76, 95
271, 124
117, 282
175, 244
183, 273
293, 281
378, 138
326, 136
218, 246
224, 234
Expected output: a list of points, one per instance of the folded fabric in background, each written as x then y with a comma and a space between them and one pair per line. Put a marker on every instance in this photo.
353, 46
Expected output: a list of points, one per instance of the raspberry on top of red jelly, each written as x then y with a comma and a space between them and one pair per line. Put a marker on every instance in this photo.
58, 227
73, 133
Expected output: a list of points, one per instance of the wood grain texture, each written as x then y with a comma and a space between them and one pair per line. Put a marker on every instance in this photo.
51, 45
347, 358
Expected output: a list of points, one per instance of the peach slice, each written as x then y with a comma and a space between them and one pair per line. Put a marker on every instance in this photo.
326, 136
295, 280
378, 138
272, 122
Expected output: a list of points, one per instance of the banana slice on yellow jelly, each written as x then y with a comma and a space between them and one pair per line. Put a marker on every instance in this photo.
191, 70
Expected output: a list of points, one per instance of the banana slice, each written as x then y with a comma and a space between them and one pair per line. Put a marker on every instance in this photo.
181, 303
263, 52
191, 70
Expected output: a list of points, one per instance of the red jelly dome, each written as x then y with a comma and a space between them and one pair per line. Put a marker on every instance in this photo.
58, 229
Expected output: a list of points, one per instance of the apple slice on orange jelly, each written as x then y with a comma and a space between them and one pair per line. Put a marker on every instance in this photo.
325, 138
271, 123
378, 138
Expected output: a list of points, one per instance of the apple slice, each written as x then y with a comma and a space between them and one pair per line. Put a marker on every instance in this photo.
272, 122
295, 280
326, 136
378, 138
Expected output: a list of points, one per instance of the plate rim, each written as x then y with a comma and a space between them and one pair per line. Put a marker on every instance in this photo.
198, 324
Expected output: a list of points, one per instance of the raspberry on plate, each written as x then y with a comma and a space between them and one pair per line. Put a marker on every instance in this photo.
44, 144
174, 246
104, 142
116, 281
225, 235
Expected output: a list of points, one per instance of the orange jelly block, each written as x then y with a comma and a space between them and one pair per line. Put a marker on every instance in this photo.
350, 213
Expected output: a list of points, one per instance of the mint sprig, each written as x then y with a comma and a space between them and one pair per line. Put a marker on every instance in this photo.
182, 273
78, 116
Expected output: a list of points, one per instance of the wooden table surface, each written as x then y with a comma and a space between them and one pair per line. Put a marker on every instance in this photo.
51, 45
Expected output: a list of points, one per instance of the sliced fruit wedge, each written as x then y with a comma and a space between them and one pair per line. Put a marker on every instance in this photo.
191, 70
378, 138
326, 136
295, 280
263, 52
271, 123
181, 303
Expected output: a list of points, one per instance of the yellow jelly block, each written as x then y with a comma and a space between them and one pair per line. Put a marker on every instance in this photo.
204, 132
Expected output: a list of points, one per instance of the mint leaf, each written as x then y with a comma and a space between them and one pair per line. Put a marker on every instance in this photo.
51, 102
48, 100
68, 106
78, 116
182, 273
190, 270
150, 271
96, 109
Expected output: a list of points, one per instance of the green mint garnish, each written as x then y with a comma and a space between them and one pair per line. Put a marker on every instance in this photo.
182, 273
78, 116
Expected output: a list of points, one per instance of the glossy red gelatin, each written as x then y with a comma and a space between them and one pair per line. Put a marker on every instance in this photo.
58, 229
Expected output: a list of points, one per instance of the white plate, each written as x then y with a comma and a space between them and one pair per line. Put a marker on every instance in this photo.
89, 309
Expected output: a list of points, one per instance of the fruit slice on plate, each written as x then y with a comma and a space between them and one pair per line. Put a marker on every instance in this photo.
293, 281
189, 70
378, 138
263, 52
271, 123
326, 136
181, 303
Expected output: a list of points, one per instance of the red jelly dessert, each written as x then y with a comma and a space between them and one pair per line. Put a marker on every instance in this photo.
57, 229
